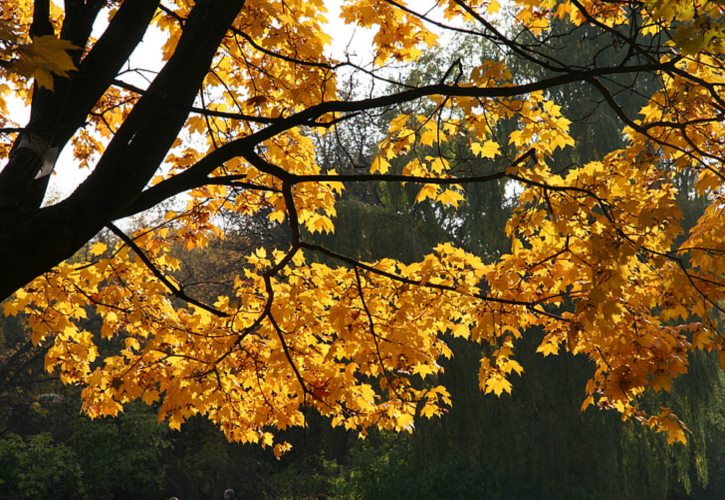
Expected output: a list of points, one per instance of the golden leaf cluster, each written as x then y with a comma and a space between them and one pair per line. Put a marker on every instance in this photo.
599, 261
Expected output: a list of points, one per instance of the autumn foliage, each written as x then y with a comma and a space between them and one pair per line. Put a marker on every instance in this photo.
599, 261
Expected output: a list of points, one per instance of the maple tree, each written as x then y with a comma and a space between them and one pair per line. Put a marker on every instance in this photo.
598, 260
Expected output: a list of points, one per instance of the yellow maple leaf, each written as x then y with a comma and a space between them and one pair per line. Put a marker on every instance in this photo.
498, 385
427, 191
44, 57
423, 370
548, 348
380, 165
450, 197
489, 149
98, 248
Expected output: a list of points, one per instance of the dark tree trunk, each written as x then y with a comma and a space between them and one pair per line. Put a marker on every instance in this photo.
33, 240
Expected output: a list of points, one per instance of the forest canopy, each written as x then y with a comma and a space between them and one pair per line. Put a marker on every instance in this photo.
228, 138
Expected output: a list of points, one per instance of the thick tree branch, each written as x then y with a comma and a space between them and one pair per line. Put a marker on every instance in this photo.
244, 147
53, 234
56, 115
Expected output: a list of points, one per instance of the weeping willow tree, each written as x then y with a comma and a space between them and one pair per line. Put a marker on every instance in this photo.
485, 446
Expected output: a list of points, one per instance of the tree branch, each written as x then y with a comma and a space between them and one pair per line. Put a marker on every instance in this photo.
175, 290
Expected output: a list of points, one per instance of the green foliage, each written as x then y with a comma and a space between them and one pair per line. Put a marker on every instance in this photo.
38, 467
121, 457
541, 447
377, 468
201, 464
715, 461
